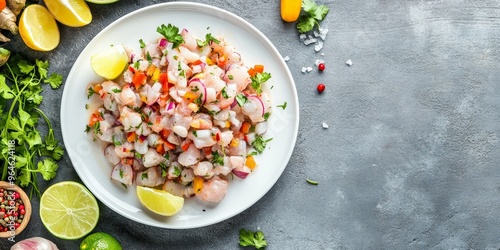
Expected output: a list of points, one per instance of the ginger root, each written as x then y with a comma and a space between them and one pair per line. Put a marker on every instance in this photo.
16, 6
8, 21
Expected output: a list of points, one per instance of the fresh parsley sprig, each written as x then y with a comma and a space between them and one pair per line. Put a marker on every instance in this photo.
254, 239
20, 95
312, 15
171, 33
257, 81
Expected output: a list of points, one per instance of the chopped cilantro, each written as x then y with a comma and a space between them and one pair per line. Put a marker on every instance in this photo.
258, 79
254, 239
241, 99
312, 15
171, 33
283, 106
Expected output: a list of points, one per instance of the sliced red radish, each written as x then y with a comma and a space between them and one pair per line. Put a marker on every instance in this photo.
198, 87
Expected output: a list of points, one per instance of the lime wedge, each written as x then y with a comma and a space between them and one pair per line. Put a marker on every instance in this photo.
110, 63
159, 201
68, 210
102, 1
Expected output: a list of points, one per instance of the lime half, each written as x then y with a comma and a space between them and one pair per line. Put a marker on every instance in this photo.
100, 241
68, 210
159, 201
110, 63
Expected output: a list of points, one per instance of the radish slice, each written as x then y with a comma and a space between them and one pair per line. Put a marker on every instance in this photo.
254, 108
199, 88
123, 173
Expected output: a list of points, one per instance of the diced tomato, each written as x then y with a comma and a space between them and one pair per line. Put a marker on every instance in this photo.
160, 148
164, 133
127, 161
163, 79
185, 145
251, 72
131, 136
259, 68
169, 146
94, 118
139, 79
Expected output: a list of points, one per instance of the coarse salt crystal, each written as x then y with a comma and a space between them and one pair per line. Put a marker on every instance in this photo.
304, 69
316, 33
286, 58
318, 61
309, 69
310, 41
322, 33
324, 125
349, 62
302, 37
318, 46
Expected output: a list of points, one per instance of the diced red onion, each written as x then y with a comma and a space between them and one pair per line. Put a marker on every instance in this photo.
162, 43
239, 173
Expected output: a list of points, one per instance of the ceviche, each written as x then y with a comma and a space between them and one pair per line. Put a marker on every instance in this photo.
187, 115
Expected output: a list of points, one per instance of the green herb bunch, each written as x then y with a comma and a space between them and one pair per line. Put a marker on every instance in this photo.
24, 150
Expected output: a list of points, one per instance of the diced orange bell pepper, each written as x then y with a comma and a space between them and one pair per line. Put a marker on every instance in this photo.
189, 96
250, 162
245, 127
131, 136
198, 184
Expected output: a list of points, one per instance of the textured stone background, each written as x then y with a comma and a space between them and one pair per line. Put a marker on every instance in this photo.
411, 157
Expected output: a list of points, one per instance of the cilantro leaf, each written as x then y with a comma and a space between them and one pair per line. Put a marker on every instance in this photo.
313, 14
47, 168
255, 239
5, 90
171, 33
257, 81
42, 68
259, 144
208, 38
241, 99
55, 81
305, 24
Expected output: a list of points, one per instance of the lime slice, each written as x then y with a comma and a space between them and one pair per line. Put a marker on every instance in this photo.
159, 201
100, 241
110, 63
68, 210
102, 1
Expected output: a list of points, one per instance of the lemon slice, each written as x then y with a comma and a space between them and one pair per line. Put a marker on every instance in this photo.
68, 210
110, 63
159, 201
102, 1
38, 29
73, 13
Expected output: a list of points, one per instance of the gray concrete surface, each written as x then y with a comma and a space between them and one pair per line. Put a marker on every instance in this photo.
411, 156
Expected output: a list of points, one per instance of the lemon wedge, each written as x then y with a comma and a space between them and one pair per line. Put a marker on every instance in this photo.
73, 13
38, 29
110, 63
159, 201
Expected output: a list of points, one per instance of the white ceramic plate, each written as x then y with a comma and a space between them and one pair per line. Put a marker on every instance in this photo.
87, 157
